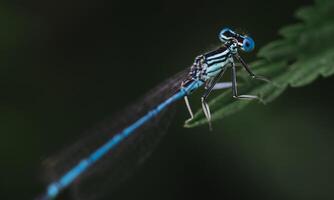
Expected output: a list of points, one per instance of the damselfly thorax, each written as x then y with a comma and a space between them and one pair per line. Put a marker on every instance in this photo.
207, 66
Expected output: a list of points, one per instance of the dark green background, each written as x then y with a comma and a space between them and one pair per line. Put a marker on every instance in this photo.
66, 65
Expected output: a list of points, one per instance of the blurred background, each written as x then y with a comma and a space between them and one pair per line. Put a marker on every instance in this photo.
66, 65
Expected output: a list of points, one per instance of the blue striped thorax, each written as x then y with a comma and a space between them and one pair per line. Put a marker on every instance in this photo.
208, 65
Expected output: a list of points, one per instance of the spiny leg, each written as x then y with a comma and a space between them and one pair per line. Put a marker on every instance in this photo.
245, 65
206, 110
189, 108
235, 88
205, 106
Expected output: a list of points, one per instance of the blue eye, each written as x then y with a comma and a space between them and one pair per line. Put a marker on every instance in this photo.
248, 44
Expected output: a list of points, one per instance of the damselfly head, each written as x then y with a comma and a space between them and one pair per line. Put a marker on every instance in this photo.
246, 43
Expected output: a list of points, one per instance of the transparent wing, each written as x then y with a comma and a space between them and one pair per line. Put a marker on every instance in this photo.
109, 172
222, 85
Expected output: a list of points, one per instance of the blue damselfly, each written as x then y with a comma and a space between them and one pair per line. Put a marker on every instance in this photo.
100, 160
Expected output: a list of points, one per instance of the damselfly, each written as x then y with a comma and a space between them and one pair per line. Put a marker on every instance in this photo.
101, 161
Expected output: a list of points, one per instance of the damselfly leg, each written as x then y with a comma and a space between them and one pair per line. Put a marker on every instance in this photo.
189, 108
247, 68
205, 106
217, 86
235, 88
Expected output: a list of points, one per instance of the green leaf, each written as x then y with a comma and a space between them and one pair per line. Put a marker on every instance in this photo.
305, 52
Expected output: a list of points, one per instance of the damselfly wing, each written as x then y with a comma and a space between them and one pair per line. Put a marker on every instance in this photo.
115, 167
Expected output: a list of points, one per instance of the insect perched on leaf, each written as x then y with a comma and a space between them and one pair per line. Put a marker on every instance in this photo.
103, 159
210, 67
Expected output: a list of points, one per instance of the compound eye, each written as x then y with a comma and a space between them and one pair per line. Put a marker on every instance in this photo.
248, 44
226, 34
